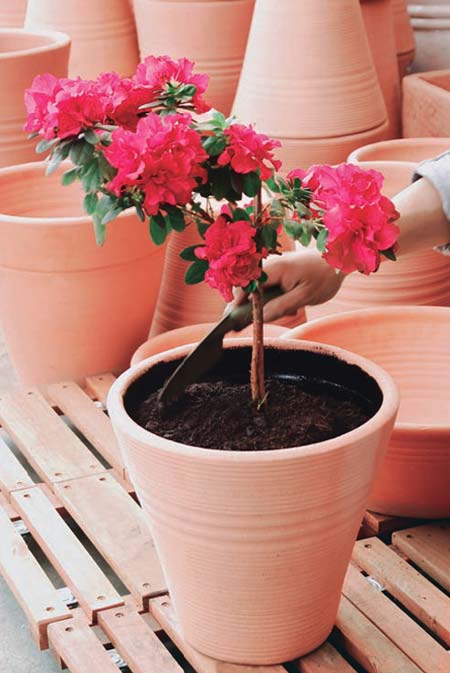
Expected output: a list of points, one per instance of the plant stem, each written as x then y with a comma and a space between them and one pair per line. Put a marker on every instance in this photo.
257, 364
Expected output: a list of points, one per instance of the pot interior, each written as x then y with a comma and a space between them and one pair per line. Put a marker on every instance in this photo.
16, 42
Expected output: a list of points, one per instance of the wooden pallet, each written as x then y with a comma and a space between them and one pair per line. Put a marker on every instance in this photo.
62, 477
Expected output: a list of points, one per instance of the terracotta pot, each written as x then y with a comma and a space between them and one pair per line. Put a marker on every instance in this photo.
12, 13
255, 545
68, 307
403, 149
431, 23
213, 33
404, 36
23, 55
192, 334
426, 104
377, 15
411, 343
103, 33
319, 94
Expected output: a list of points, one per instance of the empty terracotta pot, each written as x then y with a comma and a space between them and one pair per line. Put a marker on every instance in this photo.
377, 15
407, 150
68, 307
430, 20
404, 36
319, 94
255, 544
12, 13
213, 33
103, 33
23, 55
426, 104
411, 343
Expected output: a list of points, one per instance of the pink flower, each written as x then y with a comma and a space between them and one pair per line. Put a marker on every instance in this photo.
162, 158
234, 261
39, 99
248, 151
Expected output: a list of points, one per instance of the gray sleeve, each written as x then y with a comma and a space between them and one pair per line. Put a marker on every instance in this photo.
437, 171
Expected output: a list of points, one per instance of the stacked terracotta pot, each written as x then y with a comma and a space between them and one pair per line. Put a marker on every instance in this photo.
12, 13
430, 20
426, 104
404, 36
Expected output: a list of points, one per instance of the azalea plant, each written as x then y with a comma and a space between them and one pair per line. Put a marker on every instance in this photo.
151, 142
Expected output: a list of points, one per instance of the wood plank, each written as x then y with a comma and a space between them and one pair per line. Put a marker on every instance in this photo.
13, 475
429, 548
28, 582
50, 447
368, 645
89, 419
136, 642
6, 506
98, 386
82, 575
324, 660
408, 586
381, 524
162, 610
77, 647
395, 624
115, 524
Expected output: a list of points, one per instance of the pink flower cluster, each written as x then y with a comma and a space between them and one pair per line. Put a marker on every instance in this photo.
162, 158
248, 151
60, 108
230, 249
359, 219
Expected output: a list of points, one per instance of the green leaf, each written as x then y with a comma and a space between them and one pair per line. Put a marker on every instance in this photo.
390, 254
214, 145
69, 176
293, 227
305, 237
105, 206
272, 185
220, 182
321, 240
268, 237
263, 278
251, 183
81, 152
175, 219
56, 158
91, 137
158, 229
241, 214
111, 215
107, 171
140, 213
196, 272
188, 254
90, 176
277, 208
90, 202
237, 183
45, 145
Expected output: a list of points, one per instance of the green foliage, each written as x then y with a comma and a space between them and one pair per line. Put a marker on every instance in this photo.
158, 229
196, 272
106, 210
390, 254
188, 254
214, 145
241, 214
251, 183
90, 202
69, 176
321, 240
46, 145
175, 219
268, 238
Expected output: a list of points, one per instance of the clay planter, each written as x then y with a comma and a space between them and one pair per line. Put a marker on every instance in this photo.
213, 33
407, 150
426, 104
255, 544
319, 94
103, 33
411, 343
12, 13
23, 55
404, 36
430, 20
68, 307
377, 15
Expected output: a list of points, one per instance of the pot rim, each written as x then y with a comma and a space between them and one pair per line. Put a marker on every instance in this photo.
436, 429
353, 157
127, 425
58, 39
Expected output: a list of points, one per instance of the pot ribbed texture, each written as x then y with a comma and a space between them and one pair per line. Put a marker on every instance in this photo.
431, 24
254, 545
68, 307
12, 13
411, 343
103, 33
404, 36
426, 104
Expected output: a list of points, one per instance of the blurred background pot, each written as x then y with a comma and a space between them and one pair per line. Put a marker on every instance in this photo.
426, 103
404, 36
430, 20
12, 13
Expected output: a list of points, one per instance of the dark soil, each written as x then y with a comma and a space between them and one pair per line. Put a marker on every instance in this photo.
220, 415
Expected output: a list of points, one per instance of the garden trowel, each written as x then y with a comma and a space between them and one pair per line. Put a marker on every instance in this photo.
209, 351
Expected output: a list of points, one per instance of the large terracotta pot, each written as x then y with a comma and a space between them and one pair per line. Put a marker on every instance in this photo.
103, 33
377, 15
319, 93
404, 36
12, 13
68, 307
430, 20
213, 33
403, 149
412, 344
426, 104
255, 544
23, 55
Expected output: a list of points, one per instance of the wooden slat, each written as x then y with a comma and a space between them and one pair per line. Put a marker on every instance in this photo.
29, 583
6, 506
49, 445
76, 646
98, 386
367, 645
162, 610
324, 660
429, 548
89, 419
13, 475
381, 524
415, 592
115, 524
82, 575
136, 642
413, 640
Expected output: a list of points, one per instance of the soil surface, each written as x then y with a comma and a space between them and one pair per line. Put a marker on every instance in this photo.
220, 415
